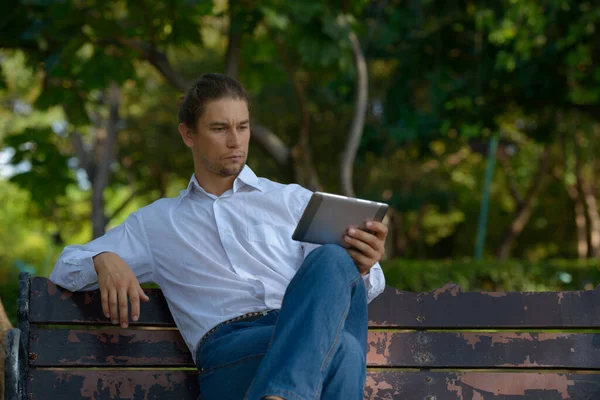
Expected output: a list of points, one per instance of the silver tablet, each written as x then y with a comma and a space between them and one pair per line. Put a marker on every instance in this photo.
327, 217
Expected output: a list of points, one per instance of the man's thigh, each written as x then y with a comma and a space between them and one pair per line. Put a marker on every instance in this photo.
229, 362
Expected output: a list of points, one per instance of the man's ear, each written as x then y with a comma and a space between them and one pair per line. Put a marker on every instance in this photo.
186, 134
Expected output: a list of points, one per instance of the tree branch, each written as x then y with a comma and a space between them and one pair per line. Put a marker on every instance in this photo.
264, 136
271, 143
158, 59
524, 211
358, 120
512, 184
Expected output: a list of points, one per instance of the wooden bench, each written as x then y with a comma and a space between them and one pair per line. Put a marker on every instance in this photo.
432, 346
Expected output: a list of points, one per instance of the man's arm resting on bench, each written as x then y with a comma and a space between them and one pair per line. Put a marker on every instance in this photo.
115, 262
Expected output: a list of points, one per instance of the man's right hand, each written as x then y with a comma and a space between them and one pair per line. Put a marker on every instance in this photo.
118, 282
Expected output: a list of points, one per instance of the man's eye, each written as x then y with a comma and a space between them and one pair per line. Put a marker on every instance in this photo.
243, 127
221, 129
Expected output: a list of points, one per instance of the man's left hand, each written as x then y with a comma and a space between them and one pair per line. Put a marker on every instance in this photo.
366, 248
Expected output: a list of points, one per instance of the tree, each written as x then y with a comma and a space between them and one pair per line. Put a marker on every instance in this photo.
96, 50
463, 68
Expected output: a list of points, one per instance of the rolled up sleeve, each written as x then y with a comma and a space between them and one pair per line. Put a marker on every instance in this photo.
75, 270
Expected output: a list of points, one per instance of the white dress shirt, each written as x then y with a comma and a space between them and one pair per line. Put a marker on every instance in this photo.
214, 257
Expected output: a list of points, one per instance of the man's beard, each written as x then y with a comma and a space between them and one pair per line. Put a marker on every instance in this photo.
224, 170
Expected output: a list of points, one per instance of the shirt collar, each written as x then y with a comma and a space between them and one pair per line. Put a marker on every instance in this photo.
245, 177
248, 177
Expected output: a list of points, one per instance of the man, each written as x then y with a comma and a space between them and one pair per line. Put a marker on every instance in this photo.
265, 317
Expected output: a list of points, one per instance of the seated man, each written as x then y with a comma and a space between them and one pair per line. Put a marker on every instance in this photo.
262, 317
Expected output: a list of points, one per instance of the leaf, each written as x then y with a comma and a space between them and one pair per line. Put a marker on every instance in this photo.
53, 60
49, 174
186, 30
274, 18
304, 11
51, 96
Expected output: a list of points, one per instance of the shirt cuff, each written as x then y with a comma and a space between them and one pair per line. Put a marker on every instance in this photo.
374, 282
87, 274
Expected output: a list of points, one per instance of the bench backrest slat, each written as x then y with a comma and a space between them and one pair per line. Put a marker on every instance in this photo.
450, 308
51, 304
446, 308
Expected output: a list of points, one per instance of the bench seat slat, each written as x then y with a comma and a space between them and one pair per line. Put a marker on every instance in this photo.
484, 350
132, 347
446, 307
154, 384
105, 385
481, 386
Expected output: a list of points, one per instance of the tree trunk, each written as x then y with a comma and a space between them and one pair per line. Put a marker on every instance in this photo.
594, 218
580, 221
304, 170
5, 325
232, 57
102, 178
358, 120
415, 231
585, 187
523, 212
398, 238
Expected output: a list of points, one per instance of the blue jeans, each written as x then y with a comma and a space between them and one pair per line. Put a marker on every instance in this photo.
313, 348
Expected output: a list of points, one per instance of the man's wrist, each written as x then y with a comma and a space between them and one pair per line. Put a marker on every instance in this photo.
98, 260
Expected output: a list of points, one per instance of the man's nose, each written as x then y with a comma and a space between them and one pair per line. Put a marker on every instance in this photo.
234, 139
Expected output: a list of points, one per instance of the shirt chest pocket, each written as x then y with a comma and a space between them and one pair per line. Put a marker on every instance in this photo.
270, 234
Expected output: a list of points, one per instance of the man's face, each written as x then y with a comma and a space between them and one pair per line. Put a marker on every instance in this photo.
220, 142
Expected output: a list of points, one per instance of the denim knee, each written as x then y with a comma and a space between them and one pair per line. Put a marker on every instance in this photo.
337, 258
351, 355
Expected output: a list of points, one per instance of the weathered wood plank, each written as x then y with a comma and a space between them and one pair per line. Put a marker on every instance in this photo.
104, 385
481, 386
108, 347
133, 347
484, 350
446, 307
52, 304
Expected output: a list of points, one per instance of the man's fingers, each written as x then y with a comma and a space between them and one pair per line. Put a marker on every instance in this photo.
361, 260
378, 228
134, 300
123, 307
104, 300
113, 305
363, 236
365, 248
143, 295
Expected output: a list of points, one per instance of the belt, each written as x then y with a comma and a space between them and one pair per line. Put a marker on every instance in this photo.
251, 316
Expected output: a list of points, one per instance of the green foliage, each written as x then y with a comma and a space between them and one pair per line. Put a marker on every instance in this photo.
443, 77
49, 175
9, 287
513, 275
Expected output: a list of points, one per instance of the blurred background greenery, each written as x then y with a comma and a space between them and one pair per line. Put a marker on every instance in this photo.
391, 100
